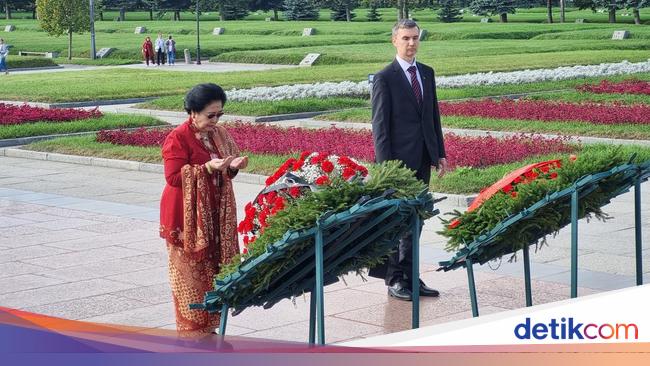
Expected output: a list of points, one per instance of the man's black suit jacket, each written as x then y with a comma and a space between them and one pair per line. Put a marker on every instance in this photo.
401, 128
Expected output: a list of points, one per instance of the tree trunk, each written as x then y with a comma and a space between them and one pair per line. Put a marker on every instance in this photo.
222, 13
347, 13
177, 15
101, 15
562, 9
637, 16
504, 17
549, 10
69, 43
406, 9
275, 14
34, 12
151, 14
122, 14
400, 10
7, 10
612, 15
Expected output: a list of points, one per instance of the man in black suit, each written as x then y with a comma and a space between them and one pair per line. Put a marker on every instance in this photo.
406, 127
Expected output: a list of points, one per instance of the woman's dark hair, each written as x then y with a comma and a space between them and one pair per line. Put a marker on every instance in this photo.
203, 94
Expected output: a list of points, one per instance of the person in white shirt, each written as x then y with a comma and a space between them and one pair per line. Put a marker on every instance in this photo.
4, 51
171, 50
160, 50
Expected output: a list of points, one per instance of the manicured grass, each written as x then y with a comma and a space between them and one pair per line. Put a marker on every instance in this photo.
462, 180
108, 121
432, 52
19, 62
87, 146
623, 131
266, 108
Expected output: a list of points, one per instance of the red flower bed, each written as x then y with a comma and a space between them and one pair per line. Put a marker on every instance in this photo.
549, 111
262, 139
13, 115
624, 87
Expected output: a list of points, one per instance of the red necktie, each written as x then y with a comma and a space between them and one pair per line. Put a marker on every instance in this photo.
415, 84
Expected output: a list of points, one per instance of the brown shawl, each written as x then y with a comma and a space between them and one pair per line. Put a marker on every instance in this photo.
199, 231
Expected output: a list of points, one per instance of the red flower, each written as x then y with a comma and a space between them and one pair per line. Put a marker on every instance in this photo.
245, 251
518, 180
507, 188
513, 194
572, 157
322, 180
348, 173
294, 192
553, 175
327, 166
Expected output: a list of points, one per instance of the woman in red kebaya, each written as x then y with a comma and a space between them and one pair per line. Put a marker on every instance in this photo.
198, 215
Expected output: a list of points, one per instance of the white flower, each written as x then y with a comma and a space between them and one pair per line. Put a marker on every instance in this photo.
362, 89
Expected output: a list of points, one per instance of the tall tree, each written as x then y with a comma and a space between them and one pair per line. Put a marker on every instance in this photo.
58, 17
232, 9
300, 10
449, 12
549, 11
610, 5
493, 7
266, 5
373, 15
178, 5
342, 9
635, 5
18, 5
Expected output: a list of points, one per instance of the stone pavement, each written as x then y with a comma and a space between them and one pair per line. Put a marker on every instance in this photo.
81, 242
206, 66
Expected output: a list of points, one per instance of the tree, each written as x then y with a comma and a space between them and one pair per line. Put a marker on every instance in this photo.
342, 9
177, 6
635, 5
610, 5
58, 17
300, 10
493, 7
373, 15
266, 5
549, 11
232, 9
18, 5
449, 12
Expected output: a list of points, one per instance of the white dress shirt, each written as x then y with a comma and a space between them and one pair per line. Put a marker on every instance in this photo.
405, 65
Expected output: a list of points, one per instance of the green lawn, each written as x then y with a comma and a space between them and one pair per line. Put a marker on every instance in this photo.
266, 108
460, 181
623, 131
107, 121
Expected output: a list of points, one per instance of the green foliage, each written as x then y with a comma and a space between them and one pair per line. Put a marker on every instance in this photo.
493, 7
342, 10
547, 220
449, 12
233, 9
300, 10
373, 15
58, 17
340, 195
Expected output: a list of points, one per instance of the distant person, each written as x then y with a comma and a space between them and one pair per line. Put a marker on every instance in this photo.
4, 51
171, 51
147, 51
198, 213
160, 50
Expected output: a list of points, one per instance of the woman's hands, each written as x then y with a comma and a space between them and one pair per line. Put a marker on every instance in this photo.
219, 164
234, 163
239, 163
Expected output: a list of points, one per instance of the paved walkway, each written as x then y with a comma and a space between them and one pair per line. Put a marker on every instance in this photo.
206, 66
80, 242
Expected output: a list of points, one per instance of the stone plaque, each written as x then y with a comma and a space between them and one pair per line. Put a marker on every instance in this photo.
188, 57
621, 35
486, 20
104, 52
580, 20
308, 32
309, 59
371, 78
267, 19
10, 28
140, 30
423, 34
218, 31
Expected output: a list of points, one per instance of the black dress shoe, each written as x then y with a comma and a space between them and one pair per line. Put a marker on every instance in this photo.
428, 291
400, 291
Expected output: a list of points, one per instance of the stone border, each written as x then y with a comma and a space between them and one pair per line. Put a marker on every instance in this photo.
18, 69
28, 140
94, 103
454, 199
